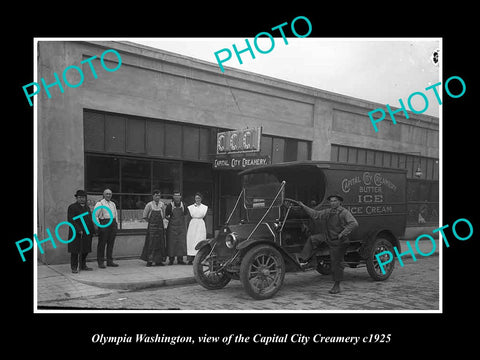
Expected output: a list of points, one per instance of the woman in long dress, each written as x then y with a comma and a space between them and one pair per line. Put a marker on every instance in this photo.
196, 228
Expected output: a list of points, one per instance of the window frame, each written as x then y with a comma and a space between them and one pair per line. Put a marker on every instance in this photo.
119, 194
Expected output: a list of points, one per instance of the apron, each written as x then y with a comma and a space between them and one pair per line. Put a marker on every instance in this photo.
176, 233
154, 247
196, 228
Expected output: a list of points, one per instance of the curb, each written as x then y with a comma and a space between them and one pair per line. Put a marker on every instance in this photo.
137, 285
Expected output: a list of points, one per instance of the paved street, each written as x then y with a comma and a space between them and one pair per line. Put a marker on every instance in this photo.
412, 287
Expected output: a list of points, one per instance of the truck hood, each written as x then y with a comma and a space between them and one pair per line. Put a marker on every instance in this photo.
244, 230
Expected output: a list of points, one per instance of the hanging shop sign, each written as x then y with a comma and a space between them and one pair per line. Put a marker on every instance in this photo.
239, 141
240, 163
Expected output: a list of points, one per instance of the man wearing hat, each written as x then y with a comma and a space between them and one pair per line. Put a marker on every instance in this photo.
176, 231
337, 223
82, 243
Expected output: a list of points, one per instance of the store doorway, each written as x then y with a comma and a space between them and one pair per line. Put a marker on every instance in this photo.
229, 188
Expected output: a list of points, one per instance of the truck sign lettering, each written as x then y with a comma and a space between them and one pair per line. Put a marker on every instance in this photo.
371, 183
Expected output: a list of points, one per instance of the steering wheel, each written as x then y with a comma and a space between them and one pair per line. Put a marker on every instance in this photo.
290, 202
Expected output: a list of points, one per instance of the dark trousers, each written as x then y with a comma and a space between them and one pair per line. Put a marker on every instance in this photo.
337, 253
106, 237
74, 260
313, 242
336, 248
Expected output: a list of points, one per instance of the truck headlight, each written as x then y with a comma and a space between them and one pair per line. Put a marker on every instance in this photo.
231, 240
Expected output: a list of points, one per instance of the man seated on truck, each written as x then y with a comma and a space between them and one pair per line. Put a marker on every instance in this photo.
338, 224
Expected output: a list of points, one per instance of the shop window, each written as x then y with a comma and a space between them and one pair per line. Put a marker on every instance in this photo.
136, 136
402, 161
413, 190
343, 154
131, 211
266, 144
114, 133
361, 156
429, 169
378, 158
409, 166
136, 176
155, 138
422, 163
387, 158
352, 155
278, 150
394, 161
166, 177
173, 140
94, 131
303, 150
370, 157
191, 142
132, 180
422, 202
102, 172
205, 144
291, 150
435, 170
334, 153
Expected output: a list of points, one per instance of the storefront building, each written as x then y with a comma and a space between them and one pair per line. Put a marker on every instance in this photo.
155, 122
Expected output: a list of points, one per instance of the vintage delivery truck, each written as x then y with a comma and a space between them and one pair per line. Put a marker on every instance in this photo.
265, 244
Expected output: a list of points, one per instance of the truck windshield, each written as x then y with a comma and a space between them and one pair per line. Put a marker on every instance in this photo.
261, 189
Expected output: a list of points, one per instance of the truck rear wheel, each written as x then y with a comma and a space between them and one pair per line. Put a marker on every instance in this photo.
324, 267
373, 267
262, 271
204, 270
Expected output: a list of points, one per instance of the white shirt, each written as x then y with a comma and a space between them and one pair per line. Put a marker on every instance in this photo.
103, 213
152, 205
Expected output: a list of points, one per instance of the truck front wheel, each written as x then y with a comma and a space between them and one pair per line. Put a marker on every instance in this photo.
205, 266
262, 271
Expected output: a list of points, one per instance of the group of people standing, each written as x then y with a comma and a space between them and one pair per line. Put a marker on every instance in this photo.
169, 233
180, 238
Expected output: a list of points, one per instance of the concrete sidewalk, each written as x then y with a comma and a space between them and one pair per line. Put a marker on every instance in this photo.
57, 282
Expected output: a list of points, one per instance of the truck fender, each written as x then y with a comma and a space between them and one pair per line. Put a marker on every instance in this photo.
387, 234
202, 243
252, 242
247, 243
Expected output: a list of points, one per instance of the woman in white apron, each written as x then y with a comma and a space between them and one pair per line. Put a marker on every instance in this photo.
196, 228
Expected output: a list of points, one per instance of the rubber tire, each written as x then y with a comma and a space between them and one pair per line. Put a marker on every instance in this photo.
322, 269
199, 275
387, 245
250, 256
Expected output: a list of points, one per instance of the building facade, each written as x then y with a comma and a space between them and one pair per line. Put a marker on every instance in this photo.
153, 124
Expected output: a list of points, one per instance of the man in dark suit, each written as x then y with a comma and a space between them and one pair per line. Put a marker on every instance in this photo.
84, 228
